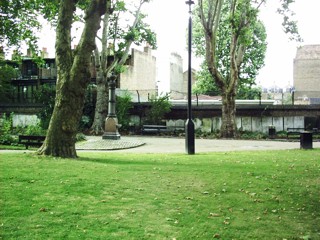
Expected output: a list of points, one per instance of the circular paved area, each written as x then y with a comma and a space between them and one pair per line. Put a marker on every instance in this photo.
97, 143
152, 144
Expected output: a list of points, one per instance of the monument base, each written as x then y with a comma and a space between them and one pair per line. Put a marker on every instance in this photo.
112, 136
111, 129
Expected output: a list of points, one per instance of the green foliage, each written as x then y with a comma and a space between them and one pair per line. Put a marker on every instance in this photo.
7, 73
207, 135
80, 137
8, 133
205, 83
159, 106
85, 123
124, 104
138, 33
89, 108
19, 22
252, 36
250, 93
289, 25
34, 130
46, 96
252, 135
6, 136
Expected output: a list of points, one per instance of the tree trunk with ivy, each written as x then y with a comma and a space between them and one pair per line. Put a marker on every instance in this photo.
113, 34
240, 15
73, 77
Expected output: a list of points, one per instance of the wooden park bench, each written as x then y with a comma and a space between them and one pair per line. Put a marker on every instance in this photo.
294, 131
157, 129
29, 140
297, 131
154, 129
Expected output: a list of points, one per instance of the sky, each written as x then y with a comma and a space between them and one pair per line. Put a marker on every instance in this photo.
169, 19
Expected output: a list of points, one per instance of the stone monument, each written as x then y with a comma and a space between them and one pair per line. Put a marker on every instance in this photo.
111, 123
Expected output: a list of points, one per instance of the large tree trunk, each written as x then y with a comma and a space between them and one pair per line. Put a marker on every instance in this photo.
228, 126
73, 78
60, 140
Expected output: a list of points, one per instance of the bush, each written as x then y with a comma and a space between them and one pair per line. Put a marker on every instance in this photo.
80, 137
88, 108
46, 96
7, 72
34, 130
6, 136
124, 104
252, 135
85, 123
159, 106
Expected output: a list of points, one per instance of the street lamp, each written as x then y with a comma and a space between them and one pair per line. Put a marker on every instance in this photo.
189, 124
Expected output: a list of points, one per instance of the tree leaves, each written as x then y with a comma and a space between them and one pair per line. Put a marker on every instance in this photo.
243, 22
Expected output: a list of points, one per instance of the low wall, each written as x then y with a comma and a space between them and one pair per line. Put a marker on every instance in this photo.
254, 124
207, 118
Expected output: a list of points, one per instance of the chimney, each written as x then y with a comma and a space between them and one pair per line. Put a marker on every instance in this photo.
44, 53
29, 52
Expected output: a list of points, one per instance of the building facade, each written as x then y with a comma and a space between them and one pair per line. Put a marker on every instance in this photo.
306, 74
179, 78
139, 78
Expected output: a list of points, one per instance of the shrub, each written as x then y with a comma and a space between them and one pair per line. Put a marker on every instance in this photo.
88, 108
6, 136
7, 72
34, 130
80, 137
46, 96
159, 106
124, 104
252, 135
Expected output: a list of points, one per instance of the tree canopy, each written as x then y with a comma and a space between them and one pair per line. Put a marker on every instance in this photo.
234, 48
253, 58
123, 25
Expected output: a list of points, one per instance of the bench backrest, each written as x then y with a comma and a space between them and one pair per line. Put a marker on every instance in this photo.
29, 137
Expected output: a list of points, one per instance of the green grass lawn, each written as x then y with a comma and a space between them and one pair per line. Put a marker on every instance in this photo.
234, 195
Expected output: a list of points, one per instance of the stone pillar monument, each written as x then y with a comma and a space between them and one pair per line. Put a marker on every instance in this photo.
111, 124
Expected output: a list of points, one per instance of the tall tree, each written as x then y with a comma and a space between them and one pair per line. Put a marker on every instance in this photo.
253, 58
242, 19
116, 41
73, 77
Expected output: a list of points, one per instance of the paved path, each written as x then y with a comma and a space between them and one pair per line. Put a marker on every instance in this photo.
151, 144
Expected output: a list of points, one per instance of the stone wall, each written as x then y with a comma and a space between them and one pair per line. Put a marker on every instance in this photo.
253, 124
140, 74
176, 76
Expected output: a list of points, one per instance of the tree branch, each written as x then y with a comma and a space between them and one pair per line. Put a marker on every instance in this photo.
87, 42
63, 36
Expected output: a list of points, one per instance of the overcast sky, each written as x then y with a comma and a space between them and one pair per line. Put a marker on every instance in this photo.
169, 19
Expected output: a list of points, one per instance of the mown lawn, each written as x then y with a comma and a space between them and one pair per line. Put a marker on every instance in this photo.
234, 195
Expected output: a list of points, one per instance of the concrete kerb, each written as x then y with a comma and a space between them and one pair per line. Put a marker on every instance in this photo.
155, 144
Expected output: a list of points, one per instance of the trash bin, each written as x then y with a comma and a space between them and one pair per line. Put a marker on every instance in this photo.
306, 140
272, 132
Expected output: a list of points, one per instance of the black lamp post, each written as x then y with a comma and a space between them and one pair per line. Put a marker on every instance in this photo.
189, 124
